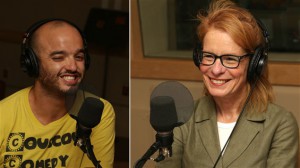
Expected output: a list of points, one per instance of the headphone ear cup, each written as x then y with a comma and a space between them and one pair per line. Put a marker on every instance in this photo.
196, 57
256, 65
30, 63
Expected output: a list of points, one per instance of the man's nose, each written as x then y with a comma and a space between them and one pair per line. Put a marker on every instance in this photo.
71, 64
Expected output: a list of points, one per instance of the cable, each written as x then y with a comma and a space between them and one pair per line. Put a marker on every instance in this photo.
83, 90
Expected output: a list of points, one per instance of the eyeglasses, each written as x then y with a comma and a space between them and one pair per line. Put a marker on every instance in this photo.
228, 61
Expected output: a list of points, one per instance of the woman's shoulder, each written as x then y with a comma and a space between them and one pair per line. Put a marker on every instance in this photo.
278, 113
203, 108
277, 110
203, 101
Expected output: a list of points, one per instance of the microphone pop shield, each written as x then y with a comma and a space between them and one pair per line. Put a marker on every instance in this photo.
171, 105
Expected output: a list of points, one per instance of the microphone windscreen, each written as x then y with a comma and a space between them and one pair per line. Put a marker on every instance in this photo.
90, 112
163, 116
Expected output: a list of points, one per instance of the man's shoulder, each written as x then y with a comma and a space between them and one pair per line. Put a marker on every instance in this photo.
89, 94
108, 108
86, 94
17, 96
9, 107
81, 96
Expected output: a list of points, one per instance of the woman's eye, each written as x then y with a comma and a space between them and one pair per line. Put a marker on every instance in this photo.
208, 56
231, 58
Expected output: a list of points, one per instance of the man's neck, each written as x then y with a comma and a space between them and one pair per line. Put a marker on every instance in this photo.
48, 107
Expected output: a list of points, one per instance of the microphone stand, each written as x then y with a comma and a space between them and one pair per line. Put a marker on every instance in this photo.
163, 143
90, 153
85, 144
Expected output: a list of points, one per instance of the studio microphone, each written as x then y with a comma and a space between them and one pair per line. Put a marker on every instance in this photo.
88, 117
163, 119
171, 105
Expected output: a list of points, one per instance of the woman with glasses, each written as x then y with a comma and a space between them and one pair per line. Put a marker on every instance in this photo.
236, 124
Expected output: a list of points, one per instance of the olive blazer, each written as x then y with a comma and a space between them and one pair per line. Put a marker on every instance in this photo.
260, 140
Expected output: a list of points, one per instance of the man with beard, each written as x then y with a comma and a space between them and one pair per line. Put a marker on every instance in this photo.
36, 129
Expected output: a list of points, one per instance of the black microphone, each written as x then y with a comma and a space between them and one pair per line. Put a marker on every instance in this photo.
163, 119
88, 117
90, 112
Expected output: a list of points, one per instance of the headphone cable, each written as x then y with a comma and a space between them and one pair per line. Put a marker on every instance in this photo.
237, 121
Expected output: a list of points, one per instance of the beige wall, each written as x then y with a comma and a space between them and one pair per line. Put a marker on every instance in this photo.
143, 135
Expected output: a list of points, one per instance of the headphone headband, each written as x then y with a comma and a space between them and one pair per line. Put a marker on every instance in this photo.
265, 33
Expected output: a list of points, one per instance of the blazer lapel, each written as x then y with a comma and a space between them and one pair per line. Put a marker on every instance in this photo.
206, 128
209, 137
247, 129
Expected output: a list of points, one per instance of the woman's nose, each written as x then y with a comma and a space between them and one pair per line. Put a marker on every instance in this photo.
218, 68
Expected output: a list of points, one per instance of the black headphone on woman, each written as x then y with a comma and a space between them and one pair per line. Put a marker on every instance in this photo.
258, 60
29, 60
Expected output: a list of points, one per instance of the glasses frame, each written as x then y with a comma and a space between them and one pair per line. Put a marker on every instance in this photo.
239, 58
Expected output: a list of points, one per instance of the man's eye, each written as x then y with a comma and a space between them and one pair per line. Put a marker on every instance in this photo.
57, 58
79, 57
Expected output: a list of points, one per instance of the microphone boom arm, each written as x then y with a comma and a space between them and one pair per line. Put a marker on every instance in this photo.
153, 148
163, 143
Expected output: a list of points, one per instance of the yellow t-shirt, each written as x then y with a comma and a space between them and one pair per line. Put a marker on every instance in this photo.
25, 142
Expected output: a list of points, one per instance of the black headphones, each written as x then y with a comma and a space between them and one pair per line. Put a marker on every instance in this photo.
258, 60
29, 60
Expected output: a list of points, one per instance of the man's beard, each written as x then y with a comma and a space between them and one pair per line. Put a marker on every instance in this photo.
50, 82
